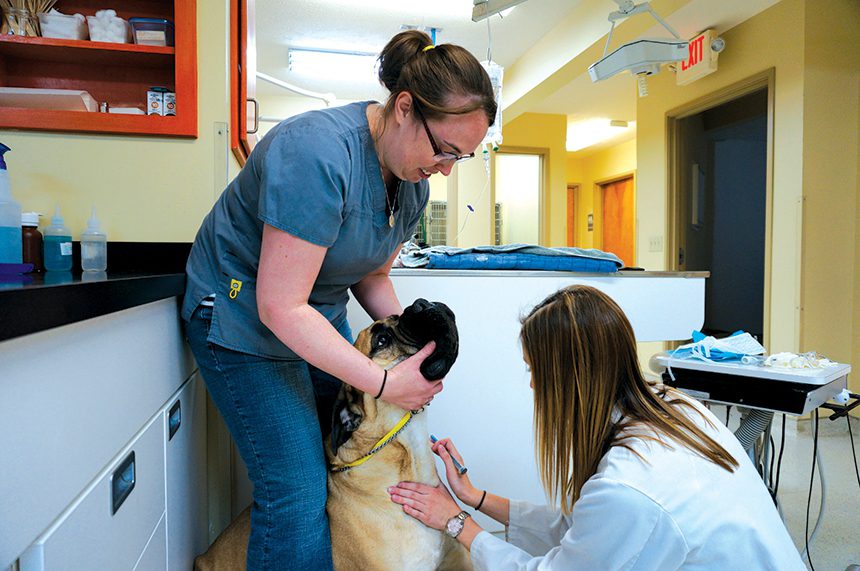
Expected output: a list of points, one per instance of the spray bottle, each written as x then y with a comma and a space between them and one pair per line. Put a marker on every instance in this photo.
10, 217
58, 245
93, 246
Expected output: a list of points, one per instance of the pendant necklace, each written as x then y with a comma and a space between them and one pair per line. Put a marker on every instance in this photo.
391, 205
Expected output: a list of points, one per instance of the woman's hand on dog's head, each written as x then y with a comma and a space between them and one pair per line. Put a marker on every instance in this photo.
432, 506
406, 386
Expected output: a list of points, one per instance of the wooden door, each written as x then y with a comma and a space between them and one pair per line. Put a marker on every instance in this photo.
571, 214
244, 115
619, 219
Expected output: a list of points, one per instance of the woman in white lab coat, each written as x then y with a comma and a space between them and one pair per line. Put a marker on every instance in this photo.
639, 477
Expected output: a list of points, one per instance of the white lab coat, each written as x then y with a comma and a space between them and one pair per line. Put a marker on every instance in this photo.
677, 511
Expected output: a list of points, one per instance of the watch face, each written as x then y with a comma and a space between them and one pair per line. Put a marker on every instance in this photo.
454, 526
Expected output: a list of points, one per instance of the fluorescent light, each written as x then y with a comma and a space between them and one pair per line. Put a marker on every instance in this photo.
582, 134
332, 64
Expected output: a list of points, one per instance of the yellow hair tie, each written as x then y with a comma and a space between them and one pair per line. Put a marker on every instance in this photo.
427, 48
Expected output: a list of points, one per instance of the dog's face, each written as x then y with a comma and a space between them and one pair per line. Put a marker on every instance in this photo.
389, 341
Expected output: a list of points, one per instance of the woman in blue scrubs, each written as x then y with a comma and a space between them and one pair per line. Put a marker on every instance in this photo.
641, 478
321, 209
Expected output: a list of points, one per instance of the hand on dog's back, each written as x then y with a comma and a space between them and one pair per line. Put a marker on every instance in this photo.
406, 386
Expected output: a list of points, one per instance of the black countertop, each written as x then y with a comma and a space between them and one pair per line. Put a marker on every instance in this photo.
139, 273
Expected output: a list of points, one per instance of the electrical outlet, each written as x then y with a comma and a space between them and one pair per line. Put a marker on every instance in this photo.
655, 244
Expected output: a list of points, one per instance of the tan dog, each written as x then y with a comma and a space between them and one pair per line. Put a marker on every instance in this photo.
369, 532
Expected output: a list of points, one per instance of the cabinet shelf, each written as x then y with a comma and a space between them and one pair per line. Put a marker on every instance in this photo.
119, 74
84, 51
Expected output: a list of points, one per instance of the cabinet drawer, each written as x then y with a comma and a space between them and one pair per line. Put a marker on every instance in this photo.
72, 398
187, 506
109, 526
154, 557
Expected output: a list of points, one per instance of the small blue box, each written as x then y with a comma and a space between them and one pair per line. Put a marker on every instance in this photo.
152, 31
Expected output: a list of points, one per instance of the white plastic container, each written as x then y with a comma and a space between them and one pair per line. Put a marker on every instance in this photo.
10, 218
105, 26
62, 26
93, 246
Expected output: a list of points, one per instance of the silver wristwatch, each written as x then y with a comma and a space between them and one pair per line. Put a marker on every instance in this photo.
456, 523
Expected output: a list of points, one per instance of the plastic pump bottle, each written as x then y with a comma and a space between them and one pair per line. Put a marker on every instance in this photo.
10, 217
93, 246
58, 245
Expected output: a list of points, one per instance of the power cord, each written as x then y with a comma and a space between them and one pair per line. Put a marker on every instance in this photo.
809, 497
772, 458
779, 463
853, 450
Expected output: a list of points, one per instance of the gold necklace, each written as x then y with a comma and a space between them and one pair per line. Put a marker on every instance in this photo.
390, 205
388, 202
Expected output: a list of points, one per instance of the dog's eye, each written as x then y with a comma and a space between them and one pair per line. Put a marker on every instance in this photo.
382, 340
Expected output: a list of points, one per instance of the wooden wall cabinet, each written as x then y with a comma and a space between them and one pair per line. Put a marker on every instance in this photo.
244, 113
118, 74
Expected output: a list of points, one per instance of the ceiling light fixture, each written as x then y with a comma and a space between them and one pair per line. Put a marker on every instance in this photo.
641, 57
583, 134
483, 9
333, 64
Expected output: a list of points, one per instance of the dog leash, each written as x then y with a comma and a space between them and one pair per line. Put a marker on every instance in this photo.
383, 442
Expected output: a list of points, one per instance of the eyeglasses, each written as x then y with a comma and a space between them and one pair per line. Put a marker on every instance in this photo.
441, 156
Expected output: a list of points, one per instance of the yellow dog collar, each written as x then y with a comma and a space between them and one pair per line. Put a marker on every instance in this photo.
391, 435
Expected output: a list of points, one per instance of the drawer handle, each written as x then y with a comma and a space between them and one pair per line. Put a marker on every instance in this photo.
174, 419
122, 482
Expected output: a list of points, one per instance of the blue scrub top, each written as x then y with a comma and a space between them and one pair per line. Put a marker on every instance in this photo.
317, 177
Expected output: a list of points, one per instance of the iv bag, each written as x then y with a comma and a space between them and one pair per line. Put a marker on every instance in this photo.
496, 73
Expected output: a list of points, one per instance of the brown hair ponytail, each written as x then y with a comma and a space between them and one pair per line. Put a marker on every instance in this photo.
433, 76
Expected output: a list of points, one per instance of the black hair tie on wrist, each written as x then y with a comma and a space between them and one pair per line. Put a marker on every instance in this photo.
483, 497
382, 388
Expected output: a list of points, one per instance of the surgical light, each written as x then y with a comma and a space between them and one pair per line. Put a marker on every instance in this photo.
332, 64
483, 9
642, 57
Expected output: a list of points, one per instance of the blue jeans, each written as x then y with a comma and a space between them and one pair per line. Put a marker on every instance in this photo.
278, 412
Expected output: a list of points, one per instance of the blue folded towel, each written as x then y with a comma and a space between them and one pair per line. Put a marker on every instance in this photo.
514, 257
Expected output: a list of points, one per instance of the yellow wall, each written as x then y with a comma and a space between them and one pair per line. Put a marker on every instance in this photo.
831, 81
149, 189
588, 172
751, 48
539, 130
812, 47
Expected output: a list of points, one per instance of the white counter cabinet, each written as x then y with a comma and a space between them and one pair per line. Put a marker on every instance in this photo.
85, 410
486, 406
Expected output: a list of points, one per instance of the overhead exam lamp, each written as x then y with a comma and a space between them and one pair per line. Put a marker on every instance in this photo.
483, 9
641, 57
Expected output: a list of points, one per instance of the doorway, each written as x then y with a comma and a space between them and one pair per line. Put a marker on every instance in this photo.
721, 158
572, 190
518, 197
615, 210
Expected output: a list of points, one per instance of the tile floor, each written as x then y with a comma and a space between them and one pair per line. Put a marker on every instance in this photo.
837, 543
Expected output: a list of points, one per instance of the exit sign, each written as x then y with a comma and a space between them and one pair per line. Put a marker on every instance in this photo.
701, 61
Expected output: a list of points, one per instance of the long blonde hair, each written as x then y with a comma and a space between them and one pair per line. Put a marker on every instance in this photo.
582, 353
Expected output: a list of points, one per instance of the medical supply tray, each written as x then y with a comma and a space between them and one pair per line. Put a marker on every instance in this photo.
793, 391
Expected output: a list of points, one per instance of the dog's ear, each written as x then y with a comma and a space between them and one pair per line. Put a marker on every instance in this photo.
346, 417
442, 327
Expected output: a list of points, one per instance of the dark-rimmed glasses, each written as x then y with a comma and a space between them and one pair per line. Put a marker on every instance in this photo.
440, 156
